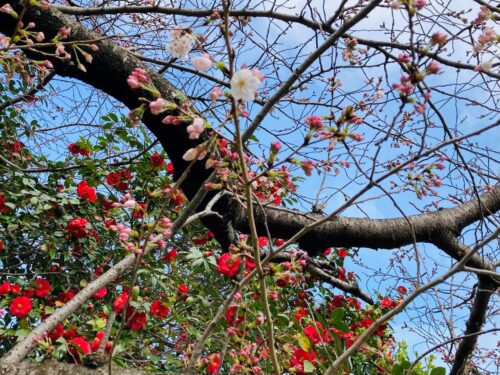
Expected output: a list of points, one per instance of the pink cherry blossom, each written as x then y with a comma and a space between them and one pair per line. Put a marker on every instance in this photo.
215, 93
196, 128
202, 63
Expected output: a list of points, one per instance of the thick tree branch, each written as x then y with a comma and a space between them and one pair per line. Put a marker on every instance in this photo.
52, 367
477, 318
376, 233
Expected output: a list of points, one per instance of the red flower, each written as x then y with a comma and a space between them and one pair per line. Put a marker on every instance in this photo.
354, 302
230, 314
15, 289
386, 303
2, 246
56, 332
170, 168
366, 322
158, 309
402, 290
169, 256
70, 334
4, 288
94, 345
20, 306
86, 192
300, 314
113, 178
76, 227
337, 301
65, 297
74, 149
101, 293
298, 358
81, 345
327, 252
183, 289
3, 206
125, 174
316, 334
279, 242
42, 288
157, 160
228, 264
263, 241
120, 302
342, 253
135, 320
249, 265
213, 362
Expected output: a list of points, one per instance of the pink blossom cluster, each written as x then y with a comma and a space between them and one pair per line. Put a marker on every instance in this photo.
314, 123
196, 128
138, 78
486, 37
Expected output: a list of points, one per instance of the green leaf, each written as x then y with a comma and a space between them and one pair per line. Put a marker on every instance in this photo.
396, 369
341, 326
337, 315
438, 371
308, 367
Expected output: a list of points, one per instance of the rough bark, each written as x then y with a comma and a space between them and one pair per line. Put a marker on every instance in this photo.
52, 367
485, 289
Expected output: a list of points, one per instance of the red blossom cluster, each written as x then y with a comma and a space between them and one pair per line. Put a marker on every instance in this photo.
85, 192
75, 150
119, 180
77, 228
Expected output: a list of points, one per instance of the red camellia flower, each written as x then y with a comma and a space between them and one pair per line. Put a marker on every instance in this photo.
101, 293
86, 192
135, 320
76, 227
263, 241
75, 150
3, 207
2, 246
94, 345
157, 160
342, 253
4, 288
183, 289
386, 303
298, 358
81, 345
316, 334
42, 288
228, 264
20, 306
300, 314
56, 332
113, 178
65, 297
213, 363
170, 168
158, 309
119, 302
402, 290
169, 256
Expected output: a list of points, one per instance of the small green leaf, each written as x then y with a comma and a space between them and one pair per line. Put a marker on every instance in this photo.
438, 371
308, 367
